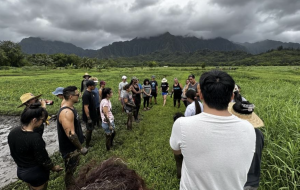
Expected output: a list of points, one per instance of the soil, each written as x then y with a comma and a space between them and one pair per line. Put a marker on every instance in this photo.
8, 167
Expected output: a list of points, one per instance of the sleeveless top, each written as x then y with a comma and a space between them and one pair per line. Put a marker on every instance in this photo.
177, 90
193, 87
65, 145
136, 89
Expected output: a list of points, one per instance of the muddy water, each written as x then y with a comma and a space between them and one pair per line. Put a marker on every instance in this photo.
8, 167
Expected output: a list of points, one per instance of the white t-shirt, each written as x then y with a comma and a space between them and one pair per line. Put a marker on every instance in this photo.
121, 85
191, 109
106, 103
217, 151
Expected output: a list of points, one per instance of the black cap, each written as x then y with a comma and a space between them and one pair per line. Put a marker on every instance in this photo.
90, 83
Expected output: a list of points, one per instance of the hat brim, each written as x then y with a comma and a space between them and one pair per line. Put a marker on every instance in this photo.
30, 99
164, 81
86, 75
252, 118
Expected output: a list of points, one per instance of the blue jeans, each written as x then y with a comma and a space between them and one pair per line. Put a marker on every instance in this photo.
106, 127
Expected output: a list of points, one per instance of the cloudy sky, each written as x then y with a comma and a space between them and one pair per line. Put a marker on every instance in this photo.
96, 23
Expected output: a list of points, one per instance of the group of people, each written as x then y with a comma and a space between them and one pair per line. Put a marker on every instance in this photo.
214, 142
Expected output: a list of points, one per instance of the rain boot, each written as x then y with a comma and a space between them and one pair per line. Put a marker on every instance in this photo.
88, 136
112, 138
178, 159
108, 141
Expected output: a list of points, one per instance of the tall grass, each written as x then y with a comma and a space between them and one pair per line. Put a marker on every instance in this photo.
273, 90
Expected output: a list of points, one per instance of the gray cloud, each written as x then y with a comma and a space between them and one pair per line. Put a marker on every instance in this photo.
96, 23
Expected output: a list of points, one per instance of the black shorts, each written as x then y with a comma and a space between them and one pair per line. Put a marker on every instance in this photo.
154, 94
35, 176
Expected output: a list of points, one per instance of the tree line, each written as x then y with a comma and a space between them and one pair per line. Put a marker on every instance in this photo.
11, 55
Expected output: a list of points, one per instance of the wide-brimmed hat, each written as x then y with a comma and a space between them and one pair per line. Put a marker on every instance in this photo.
26, 97
58, 90
86, 74
124, 77
245, 110
164, 80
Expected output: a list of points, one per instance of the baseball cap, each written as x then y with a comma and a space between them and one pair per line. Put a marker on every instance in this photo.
58, 90
90, 83
124, 77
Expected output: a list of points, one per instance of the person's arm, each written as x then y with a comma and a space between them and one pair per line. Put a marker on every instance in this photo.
81, 89
66, 118
127, 103
119, 91
99, 91
87, 113
133, 90
198, 90
41, 155
175, 139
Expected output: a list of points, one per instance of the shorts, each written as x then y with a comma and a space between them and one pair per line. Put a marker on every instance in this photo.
154, 94
106, 127
164, 93
35, 176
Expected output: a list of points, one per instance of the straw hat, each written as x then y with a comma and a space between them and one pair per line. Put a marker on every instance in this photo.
245, 110
26, 97
164, 80
86, 74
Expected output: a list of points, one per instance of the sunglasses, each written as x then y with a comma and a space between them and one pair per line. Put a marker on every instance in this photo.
75, 95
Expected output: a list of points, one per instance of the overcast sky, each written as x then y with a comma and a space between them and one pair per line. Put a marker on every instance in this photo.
95, 23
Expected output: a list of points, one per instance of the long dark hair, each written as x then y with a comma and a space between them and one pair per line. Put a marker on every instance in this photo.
237, 97
191, 94
33, 111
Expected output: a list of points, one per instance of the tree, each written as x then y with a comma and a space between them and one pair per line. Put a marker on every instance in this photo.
152, 64
13, 54
203, 65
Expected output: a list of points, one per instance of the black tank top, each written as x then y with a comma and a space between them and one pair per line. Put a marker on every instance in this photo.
136, 89
65, 145
177, 90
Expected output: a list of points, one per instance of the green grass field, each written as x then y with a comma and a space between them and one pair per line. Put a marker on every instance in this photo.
273, 90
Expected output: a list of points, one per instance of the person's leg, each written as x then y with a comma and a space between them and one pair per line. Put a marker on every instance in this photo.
165, 99
70, 165
147, 101
178, 159
178, 103
129, 121
88, 134
174, 102
98, 117
185, 102
144, 103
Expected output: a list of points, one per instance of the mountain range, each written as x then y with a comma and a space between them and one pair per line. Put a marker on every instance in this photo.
166, 43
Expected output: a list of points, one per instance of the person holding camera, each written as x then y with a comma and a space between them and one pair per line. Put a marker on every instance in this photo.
28, 99
70, 135
28, 149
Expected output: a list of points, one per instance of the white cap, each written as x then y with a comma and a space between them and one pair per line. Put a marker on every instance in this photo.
124, 77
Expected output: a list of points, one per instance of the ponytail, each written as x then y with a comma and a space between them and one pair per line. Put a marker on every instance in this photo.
197, 106
191, 94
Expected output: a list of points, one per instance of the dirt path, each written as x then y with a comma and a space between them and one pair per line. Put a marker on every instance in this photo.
8, 167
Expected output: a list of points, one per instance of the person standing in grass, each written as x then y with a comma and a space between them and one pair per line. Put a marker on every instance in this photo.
102, 86
97, 100
86, 77
108, 123
89, 111
136, 94
129, 105
184, 100
28, 149
176, 92
217, 146
146, 94
245, 110
193, 85
154, 89
121, 91
195, 107
70, 136
164, 89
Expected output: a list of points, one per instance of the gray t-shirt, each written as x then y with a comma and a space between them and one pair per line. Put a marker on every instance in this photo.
147, 89
128, 96
121, 85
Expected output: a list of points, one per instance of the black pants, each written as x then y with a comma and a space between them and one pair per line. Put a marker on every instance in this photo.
137, 101
178, 100
146, 100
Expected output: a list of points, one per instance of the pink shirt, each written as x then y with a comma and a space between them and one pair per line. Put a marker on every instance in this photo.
106, 103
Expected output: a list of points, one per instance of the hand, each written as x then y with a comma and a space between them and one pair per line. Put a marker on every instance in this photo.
119, 98
84, 151
111, 127
89, 121
43, 103
57, 168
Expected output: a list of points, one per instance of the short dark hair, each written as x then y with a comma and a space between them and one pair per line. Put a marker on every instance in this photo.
105, 92
146, 81
70, 90
217, 88
90, 83
191, 75
33, 111
126, 86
